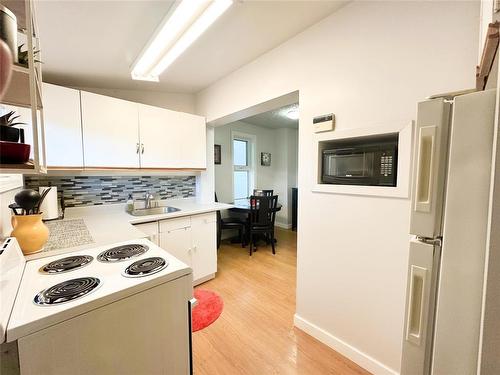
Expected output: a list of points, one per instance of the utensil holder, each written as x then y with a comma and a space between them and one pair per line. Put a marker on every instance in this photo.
30, 231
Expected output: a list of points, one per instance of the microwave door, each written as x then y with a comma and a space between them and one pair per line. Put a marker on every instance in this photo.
354, 169
350, 164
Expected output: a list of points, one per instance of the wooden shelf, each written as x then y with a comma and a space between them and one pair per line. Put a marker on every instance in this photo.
24, 168
18, 93
16, 167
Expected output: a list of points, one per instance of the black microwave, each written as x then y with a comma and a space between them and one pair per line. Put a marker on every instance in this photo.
363, 161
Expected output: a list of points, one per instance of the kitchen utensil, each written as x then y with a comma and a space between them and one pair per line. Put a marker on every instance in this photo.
13, 152
14, 207
63, 205
50, 209
27, 199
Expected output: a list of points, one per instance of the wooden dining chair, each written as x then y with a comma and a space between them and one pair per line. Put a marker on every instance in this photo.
230, 223
263, 192
261, 219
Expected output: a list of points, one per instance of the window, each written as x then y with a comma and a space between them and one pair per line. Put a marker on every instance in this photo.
242, 173
240, 152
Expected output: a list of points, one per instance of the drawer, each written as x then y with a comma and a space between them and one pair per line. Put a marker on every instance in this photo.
210, 217
173, 224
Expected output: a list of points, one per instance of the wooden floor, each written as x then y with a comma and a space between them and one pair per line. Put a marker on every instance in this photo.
255, 333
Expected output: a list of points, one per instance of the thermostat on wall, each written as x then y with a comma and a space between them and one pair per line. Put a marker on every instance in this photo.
324, 123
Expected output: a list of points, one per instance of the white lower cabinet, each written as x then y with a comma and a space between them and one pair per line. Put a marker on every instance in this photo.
151, 230
192, 240
204, 241
175, 237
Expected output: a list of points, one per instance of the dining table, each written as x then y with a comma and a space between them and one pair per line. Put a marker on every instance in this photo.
243, 206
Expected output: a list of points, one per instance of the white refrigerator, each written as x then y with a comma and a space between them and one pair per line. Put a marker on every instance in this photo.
448, 228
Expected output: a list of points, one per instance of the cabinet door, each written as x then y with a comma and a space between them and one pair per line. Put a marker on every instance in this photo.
151, 230
193, 131
175, 237
160, 137
63, 127
110, 132
204, 237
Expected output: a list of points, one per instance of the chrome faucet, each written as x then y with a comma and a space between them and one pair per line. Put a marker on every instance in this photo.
148, 198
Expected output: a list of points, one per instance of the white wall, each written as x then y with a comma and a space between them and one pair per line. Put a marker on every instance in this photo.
369, 63
173, 101
205, 185
280, 176
286, 172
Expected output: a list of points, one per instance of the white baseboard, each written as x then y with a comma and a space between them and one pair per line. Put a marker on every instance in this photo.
355, 355
204, 279
281, 225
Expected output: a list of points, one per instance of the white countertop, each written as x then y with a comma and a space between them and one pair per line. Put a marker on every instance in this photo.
110, 224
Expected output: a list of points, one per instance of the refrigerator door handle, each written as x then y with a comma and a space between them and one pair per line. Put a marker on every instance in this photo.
416, 304
434, 241
425, 168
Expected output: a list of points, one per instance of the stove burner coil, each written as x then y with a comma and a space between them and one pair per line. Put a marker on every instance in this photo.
145, 267
124, 252
66, 264
67, 291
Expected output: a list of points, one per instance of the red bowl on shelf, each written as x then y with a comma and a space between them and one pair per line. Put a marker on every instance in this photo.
14, 153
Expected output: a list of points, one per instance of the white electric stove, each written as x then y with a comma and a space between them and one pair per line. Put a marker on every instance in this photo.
11, 271
121, 308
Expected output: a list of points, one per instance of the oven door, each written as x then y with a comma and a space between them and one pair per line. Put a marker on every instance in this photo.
349, 166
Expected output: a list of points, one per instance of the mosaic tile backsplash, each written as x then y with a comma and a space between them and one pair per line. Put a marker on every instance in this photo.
99, 190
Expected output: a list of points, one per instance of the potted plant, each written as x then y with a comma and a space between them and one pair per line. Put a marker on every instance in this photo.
7, 130
22, 58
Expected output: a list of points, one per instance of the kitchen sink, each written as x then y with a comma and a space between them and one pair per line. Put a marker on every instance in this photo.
153, 211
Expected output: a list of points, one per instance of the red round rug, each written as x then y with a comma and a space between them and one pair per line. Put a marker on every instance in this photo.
207, 310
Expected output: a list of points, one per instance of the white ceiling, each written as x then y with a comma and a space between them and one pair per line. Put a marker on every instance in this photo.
274, 119
93, 43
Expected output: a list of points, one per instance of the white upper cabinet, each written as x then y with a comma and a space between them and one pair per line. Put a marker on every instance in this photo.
171, 139
193, 131
160, 138
110, 132
63, 127
86, 130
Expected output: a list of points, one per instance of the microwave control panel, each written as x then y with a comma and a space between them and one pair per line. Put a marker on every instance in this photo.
386, 164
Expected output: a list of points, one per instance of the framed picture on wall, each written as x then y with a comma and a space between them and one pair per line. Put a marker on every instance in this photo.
265, 159
217, 154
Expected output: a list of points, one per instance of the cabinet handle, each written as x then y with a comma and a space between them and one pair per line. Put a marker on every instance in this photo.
137, 148
142, 148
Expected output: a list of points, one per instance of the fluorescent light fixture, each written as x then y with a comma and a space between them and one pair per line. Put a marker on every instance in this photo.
293, 114
180, 28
